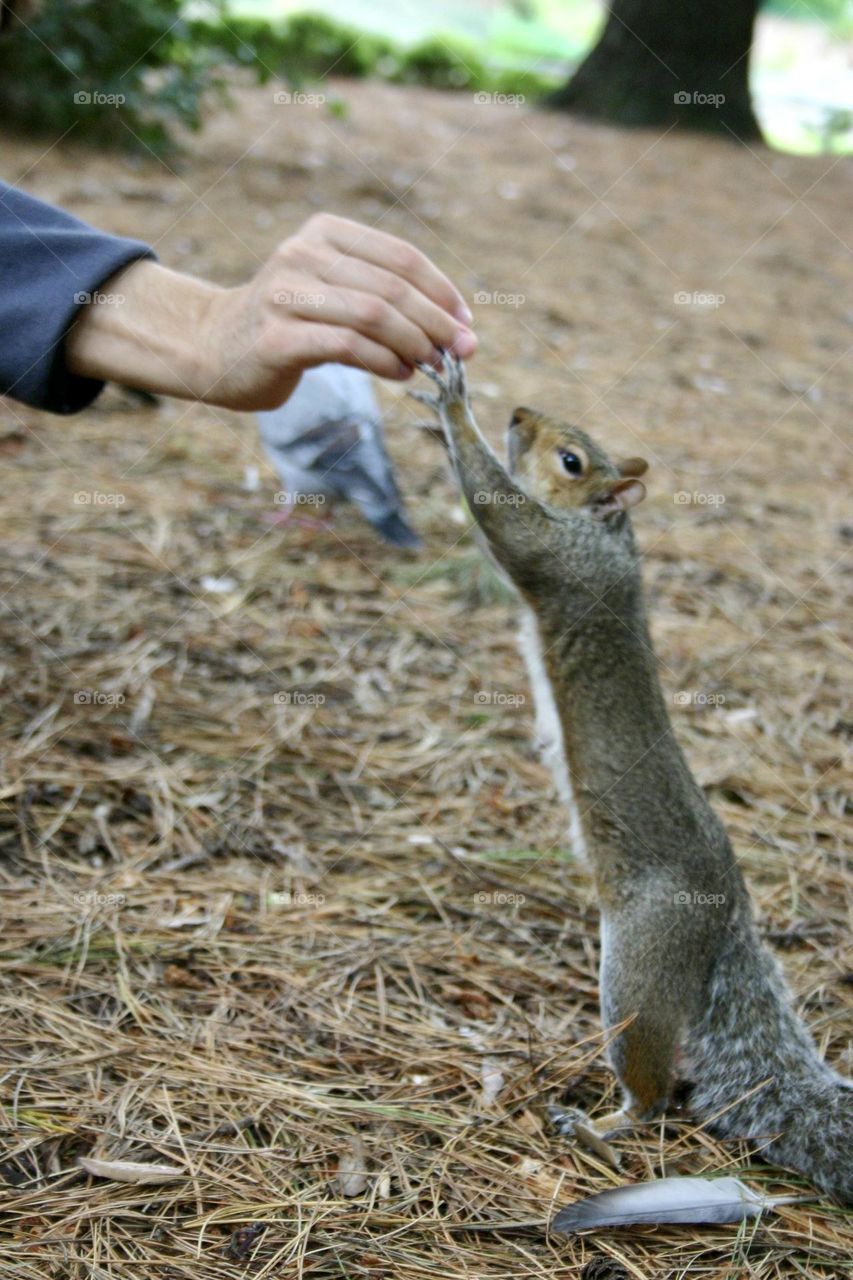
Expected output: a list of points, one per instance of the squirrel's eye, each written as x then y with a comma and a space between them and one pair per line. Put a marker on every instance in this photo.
571, 462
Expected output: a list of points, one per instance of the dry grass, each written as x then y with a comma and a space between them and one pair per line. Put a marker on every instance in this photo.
258, 936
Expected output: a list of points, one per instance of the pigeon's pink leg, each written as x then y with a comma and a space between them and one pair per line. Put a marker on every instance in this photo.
288, 516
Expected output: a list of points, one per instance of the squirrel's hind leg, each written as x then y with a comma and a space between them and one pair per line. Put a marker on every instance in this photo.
643, 1053
643, 1056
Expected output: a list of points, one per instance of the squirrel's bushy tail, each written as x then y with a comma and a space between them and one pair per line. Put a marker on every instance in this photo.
758, 1075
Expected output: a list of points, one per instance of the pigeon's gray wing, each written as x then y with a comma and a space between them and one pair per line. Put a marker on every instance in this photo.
305, 436
327, 439
362, 473
329, 392
322, 452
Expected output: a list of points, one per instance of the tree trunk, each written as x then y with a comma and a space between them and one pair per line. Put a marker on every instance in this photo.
662, 63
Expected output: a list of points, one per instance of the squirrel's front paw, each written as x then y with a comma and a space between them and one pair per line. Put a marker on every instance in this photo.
452, 391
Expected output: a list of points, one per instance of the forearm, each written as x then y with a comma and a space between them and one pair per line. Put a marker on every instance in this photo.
333, 292
148, 327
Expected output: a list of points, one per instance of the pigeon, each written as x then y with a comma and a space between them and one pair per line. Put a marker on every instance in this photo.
326, 442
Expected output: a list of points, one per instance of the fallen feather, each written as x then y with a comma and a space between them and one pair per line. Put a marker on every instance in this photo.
130, 1170
493, 1080
689, 1200
219, 586
352, 1177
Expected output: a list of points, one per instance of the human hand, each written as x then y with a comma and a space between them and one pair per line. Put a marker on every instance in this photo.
334, 291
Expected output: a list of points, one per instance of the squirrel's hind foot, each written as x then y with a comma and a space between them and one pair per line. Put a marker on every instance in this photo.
571, 1122
613, 1123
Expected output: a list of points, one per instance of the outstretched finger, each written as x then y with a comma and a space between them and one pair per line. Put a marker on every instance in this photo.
398, 256
342, 345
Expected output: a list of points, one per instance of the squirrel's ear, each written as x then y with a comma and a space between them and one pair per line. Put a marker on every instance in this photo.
521, 415
627, 494
632, 466
624, 495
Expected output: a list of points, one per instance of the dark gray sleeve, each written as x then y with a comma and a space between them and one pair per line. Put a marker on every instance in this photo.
50, 265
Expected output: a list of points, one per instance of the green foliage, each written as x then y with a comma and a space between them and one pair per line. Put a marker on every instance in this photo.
530, 84
308, 45
120, 73
554, 30
242, 41
835, 130
443, 62
316, 45
823, 10
131, 74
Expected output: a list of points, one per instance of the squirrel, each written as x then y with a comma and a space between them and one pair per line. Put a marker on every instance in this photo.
684, 977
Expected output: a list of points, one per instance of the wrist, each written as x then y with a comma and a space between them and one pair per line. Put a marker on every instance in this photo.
149, 327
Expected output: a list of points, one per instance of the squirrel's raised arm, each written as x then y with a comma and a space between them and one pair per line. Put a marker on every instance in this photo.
518, 527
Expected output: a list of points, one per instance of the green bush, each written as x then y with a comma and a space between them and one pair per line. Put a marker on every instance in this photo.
821, 10
120, 73
530, 84
315, 45
242, 41
129, 74
308, 45
443, 62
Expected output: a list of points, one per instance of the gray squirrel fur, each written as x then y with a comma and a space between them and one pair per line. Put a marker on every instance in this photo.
681, 958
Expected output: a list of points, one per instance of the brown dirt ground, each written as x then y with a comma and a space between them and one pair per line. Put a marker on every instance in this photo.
157, 982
